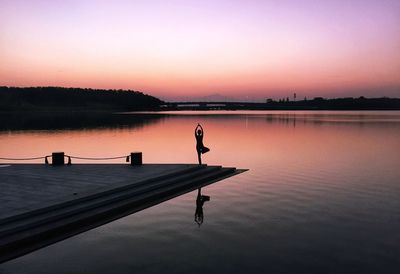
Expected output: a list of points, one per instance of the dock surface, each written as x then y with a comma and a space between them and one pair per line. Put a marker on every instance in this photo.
43, 204
25, 187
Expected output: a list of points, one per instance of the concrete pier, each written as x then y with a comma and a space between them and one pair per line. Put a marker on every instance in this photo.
43, 204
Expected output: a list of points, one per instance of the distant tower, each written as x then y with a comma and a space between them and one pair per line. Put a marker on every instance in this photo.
294, 96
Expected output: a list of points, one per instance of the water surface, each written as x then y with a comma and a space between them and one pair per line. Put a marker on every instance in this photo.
321, 196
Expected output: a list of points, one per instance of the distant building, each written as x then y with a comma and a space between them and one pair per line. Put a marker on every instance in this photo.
269, 101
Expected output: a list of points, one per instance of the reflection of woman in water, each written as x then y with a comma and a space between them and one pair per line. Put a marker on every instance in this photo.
201, 149
201, 199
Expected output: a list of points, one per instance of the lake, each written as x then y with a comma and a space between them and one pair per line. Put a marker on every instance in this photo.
321, 194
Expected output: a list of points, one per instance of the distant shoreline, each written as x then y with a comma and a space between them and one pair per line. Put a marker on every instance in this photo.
78, 100
317, 103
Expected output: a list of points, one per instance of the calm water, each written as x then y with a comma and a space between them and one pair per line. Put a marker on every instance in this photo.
321, 196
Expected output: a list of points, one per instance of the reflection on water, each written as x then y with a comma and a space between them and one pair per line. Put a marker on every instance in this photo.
92, 120
73, 120
321, 195
200, 200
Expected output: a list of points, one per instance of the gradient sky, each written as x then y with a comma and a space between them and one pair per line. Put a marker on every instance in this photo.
182, 49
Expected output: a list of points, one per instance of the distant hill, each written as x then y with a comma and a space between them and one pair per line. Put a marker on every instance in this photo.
216, 97
66, 99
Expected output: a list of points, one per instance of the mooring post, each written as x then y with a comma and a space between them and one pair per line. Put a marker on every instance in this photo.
136, 158
57, 158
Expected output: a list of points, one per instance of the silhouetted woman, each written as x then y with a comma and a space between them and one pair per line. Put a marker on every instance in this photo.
201, 149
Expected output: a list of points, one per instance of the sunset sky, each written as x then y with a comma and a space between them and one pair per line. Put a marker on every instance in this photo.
185, 49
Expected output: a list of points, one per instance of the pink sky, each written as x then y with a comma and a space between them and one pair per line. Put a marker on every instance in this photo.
182, 49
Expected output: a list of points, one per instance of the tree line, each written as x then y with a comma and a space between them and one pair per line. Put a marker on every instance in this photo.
347, 103
62, 99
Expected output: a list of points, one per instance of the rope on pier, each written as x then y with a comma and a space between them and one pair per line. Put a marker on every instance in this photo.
69, 158
97, 159
23, 159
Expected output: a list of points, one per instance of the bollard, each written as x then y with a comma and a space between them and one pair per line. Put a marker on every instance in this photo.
57, 158
136, 158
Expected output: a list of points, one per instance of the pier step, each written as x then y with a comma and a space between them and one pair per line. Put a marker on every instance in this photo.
33, 213
27, 232
40, 217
